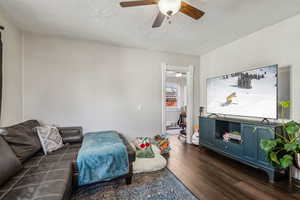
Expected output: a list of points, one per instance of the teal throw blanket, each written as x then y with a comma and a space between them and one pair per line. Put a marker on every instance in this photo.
102, 157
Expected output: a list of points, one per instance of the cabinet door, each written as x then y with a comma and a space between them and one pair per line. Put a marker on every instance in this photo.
220, 145
235, 149
263, 133
207, 130
249, 137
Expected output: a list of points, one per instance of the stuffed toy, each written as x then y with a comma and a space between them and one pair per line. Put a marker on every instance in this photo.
163, 143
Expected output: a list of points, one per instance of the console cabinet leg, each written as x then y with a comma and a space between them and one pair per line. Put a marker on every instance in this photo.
271, 175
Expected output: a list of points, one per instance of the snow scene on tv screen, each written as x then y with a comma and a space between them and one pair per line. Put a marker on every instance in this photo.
251, 93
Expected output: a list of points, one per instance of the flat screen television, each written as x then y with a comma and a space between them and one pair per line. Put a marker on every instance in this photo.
250, 93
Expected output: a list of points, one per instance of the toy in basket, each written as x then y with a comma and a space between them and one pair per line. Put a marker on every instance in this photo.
163, 143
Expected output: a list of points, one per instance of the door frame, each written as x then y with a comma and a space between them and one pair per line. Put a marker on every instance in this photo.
189, 70
1, 71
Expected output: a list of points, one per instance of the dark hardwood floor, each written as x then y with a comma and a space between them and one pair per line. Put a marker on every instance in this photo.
211, 176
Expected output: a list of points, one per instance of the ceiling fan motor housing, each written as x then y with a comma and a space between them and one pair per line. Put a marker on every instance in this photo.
169, 7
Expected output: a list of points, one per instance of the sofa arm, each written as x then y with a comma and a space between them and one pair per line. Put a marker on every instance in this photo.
130, 150
71, 134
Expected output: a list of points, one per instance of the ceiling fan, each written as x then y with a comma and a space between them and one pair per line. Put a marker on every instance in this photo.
167, 8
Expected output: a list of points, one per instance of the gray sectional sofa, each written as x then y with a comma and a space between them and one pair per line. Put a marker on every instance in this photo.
25, 173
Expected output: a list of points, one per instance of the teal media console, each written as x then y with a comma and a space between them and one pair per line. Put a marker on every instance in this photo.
246, 148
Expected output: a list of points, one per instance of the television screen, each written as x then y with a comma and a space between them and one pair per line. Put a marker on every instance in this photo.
250, 93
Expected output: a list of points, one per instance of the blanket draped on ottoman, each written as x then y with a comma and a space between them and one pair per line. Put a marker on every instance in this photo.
102, 157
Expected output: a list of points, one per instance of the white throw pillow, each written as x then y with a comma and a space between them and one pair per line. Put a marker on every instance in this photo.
50, 138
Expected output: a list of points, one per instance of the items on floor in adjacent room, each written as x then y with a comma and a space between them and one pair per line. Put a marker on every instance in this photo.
173, 131
160, 185
182, 124
195, 137
172, 128
170, 125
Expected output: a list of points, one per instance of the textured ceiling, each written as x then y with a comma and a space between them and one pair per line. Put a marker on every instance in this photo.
104, 20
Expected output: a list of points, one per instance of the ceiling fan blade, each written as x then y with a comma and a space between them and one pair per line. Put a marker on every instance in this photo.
158, 20
191, 11
138, 3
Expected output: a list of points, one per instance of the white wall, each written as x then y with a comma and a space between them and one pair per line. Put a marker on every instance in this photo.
277, 44
69, 82
12, 73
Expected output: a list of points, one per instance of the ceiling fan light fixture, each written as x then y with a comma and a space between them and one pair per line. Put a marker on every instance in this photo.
169, 7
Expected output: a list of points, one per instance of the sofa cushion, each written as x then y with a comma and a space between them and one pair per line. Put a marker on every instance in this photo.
71, 134
9, 163
46, 177
23, 140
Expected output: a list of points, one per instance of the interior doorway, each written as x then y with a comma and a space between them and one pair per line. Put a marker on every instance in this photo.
177, 101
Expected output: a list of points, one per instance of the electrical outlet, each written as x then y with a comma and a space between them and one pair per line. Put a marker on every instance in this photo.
139, 107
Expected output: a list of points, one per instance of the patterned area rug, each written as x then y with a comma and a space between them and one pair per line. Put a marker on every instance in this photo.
161, 185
